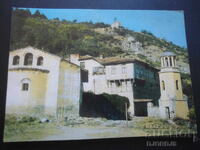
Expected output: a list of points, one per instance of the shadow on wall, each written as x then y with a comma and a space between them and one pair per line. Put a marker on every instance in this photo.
104, 105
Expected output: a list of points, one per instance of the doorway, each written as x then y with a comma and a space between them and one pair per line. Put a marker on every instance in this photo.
140, 109
167, 111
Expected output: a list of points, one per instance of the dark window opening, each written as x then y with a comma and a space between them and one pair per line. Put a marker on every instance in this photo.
166, 61
25, 87
28, 60
118, 83
167, 112
40, 61
163, 85
16, 60
177, 84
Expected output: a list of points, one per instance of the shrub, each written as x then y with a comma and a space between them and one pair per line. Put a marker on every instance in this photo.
180, 121
147, 32
28, 119
192, 114
10, 119
14, 119
103, 105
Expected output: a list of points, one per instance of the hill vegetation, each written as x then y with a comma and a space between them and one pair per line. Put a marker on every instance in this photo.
104, 105
63, 37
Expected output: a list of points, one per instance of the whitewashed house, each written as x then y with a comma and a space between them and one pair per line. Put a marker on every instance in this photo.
131, 78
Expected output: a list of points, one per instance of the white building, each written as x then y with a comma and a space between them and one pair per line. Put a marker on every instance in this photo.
40, 80
171, 103
131, 78
115, 24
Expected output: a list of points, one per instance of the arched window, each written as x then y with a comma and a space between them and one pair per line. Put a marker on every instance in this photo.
170, 61
166, 62
163, 85
25, 84
28, 59
16, 60
40, 61
174, 60
177, 84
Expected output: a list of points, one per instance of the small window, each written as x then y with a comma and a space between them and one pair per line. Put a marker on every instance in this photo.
82, 65
177, 84
123, 69
25, 83
25, 86
28, 59
113, 70
16, 60
163, 85
40, 61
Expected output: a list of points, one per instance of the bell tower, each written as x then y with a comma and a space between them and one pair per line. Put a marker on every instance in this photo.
171, 103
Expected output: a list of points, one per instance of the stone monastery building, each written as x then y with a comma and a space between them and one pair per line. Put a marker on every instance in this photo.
139, 82
127, 77
38, 79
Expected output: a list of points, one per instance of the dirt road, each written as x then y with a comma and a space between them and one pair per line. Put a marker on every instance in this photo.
108, 129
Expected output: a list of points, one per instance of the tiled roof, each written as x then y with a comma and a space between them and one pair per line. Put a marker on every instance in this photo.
85, 57
115, 60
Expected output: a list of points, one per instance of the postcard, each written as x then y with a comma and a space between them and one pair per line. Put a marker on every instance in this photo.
95, 73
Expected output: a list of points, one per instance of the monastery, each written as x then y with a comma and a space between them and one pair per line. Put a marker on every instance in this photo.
139, 82
38, 79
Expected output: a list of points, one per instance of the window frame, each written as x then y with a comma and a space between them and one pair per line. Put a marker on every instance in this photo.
113, 70
82, 65
16, 60
124, 71
40, 61
163, 85
28, 59
177, 87
25, 86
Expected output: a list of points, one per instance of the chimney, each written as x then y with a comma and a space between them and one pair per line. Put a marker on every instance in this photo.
74, 58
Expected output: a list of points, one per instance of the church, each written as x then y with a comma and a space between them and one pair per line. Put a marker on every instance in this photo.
41, 81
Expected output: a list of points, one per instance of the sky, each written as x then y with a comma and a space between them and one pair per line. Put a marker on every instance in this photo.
163, 24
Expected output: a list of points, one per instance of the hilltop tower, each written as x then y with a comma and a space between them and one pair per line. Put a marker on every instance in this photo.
171, 103
116, 24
